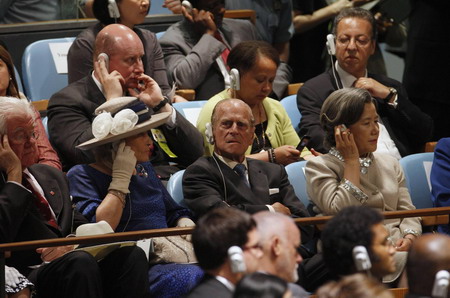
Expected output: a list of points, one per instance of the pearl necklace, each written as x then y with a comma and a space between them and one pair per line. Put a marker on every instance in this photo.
364, 163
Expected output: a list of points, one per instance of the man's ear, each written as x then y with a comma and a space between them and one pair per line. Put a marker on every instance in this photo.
276, 246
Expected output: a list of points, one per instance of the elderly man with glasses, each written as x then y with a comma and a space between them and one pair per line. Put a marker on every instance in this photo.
35, 204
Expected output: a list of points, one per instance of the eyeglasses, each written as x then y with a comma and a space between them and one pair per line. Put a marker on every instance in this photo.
360, 41
21, 137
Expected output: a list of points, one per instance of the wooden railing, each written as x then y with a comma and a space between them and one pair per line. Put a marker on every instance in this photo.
136, 235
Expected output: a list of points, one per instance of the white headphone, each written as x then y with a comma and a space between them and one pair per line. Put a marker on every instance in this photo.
113, 10
440, 287
361, 258
236, 256
209, 133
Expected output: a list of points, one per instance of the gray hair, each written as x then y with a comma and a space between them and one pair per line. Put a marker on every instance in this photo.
11, 106
344, 106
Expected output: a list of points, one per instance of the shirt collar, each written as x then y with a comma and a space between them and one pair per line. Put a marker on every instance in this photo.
229, 162
347, 79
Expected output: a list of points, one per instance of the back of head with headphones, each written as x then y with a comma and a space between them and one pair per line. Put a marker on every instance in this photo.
113, 10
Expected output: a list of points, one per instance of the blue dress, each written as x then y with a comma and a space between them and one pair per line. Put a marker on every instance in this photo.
148, 206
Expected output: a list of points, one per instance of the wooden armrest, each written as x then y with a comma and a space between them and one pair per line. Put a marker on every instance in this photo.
293, 88
189, 94
435, 220
429, 146
248, 14
399, 292
40, 105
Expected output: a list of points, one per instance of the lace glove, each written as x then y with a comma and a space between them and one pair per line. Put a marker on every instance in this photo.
123, 167
12, 276
185, 222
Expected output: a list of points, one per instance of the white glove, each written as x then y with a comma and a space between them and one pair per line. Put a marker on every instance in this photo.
123, 167
185, 222
12, 276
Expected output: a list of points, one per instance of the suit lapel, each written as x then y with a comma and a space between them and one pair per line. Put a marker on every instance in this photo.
258, 181
52, 192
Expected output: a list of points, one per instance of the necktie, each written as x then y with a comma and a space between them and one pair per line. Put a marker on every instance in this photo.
240, 170
40, 202
226, 51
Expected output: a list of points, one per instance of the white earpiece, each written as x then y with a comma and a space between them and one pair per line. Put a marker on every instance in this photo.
235, 81
361, 258
236, 259
440, 287
113, 9
331, 45
209, 133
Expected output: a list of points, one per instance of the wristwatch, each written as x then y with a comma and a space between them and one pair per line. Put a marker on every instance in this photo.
161, 104
392, 92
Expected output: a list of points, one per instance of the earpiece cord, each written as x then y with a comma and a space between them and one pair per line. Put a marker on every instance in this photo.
223, 178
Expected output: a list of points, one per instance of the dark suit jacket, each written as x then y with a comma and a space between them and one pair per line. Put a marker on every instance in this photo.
21, 221
71, 112
407, 125
207, 185
210, 287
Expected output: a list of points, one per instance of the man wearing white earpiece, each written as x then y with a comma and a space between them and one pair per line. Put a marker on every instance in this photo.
428, 267
229, 178
360, 227
119, 71
404, 128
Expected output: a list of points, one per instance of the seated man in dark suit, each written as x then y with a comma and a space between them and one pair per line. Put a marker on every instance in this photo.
228, 178
196, 49
215, 233
71, 110
403, 127
35, 204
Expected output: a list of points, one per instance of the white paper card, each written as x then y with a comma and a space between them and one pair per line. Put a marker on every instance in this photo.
191, 114
427, 166
59, 53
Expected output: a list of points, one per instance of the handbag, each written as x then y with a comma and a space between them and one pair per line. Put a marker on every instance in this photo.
171, 249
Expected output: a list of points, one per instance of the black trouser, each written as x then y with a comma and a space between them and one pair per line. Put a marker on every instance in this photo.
123, 273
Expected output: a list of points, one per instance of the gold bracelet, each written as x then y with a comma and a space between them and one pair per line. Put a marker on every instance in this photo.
120, 195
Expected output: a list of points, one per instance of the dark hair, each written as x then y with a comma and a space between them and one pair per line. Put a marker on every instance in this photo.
359, 13
196, 3
352, 226
217, 231
356, 286
13, 89
343, 106
260, 285
245, 55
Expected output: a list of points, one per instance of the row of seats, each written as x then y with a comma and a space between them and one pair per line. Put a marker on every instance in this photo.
416, 168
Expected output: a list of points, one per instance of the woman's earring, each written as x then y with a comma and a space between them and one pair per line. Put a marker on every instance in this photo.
10, 78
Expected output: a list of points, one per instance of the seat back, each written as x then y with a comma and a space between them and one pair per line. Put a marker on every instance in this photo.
190, 109
18, 79
39, 73
290, 105
175, 187
296, 176
417, 169
157, 8
159, 34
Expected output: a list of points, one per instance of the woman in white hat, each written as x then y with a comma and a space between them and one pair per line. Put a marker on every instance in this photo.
122, 188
